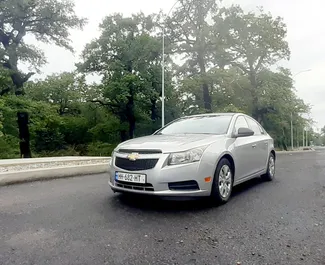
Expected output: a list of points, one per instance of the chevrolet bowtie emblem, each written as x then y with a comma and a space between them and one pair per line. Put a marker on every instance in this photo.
133, 156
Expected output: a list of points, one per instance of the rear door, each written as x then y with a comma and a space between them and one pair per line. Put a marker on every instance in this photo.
261, 142
244, 152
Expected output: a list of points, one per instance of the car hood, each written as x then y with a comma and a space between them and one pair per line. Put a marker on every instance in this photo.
171, 143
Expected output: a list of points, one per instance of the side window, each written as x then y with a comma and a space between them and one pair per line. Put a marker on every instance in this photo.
254, 126
240, 123
262, 129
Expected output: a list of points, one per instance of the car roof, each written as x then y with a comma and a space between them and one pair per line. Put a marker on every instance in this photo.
214, 114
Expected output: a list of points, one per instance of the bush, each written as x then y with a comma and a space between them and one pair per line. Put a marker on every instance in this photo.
75, 130
67, 151
100, 149
9, 147
49, 140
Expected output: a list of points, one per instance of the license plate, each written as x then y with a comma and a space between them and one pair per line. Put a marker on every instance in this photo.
127, 177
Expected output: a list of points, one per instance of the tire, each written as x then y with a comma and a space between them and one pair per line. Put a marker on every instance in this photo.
270, 172
222, 182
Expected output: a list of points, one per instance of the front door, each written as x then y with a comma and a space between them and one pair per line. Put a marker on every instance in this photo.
244, 151
261, 145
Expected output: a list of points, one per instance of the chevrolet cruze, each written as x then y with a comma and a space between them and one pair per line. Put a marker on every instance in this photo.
200, 155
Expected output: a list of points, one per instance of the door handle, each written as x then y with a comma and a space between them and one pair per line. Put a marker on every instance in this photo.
253, 145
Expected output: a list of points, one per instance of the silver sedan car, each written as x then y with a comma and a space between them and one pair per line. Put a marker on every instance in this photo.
200, 155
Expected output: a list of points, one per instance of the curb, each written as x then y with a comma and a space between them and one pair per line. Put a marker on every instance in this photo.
46, 160
294, 152
16, 177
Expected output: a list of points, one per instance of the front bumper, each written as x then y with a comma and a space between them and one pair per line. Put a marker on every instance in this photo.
163, 193
159, 178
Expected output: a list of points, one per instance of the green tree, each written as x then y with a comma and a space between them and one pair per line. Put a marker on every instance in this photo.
323, 130
68, 93
44, 121
5, 81
66, 90
127, 55
189, 35
48, 21
257, 41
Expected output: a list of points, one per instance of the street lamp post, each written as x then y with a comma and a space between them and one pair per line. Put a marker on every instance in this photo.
291, 113
163, 71
308, 70
163, 81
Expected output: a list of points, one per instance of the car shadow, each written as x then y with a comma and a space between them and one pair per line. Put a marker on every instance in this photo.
176, 204
247, 186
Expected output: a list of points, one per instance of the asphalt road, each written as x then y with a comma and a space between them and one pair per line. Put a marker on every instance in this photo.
80, 221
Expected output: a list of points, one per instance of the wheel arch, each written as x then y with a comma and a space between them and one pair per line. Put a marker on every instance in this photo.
273, 153
230, 159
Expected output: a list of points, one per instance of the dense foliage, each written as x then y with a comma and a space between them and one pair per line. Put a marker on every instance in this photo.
217, 59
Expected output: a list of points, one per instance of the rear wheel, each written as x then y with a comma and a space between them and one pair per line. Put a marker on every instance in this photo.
270, 173
222, 182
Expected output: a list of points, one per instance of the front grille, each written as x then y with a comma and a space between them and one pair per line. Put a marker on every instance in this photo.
144, 152
134, 186
140, 164
183, 185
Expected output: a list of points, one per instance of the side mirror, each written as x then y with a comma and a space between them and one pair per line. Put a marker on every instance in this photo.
244, 132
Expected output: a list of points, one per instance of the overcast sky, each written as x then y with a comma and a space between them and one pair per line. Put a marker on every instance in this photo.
306, 36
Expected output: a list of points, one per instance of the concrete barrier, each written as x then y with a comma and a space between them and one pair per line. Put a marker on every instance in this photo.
28, 161
14, 177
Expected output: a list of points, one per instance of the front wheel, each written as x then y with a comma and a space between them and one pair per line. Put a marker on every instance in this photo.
222, 182
269, 175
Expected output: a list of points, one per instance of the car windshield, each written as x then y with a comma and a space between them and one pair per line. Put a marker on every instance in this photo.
216, 124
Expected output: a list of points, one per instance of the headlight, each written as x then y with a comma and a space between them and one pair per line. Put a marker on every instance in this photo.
189, 156
112, 157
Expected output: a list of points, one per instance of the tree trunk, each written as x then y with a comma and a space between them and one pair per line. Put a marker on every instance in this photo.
123, 135
130, 115
18, 82
206, 97
255, 110
154, 115
131, 127
205, 87
284, 140
153, 110
24, 135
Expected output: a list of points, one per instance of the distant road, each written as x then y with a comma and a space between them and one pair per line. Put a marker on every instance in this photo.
80, 221
319, 147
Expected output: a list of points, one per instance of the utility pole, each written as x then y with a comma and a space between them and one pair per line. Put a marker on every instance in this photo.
291, 133
303, 131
